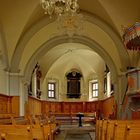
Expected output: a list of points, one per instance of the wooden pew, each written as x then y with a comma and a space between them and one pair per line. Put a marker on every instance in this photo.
19, 120
97, 129
41, 130
25, 132
132, 132
13, 120
15, 132
109, 134
47, 132
5, 121
49, 127
102, 130
38, 132
6, 115
116, 130
119, 130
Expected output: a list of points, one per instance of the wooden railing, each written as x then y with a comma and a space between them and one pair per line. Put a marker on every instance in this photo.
9, 105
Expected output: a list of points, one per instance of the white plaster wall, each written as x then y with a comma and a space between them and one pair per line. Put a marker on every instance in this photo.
14, 85
4, 84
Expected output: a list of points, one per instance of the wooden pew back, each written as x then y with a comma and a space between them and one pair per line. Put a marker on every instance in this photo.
15, 132
132, 132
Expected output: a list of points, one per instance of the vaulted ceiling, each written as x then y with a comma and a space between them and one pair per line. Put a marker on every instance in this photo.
27, 36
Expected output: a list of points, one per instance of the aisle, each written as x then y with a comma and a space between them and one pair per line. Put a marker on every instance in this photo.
84, 136
73, 132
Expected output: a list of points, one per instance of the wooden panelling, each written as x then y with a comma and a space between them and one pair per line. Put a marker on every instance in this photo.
135, 115
88, 107
91, 106
45, 107
4, 104
79, 107
70, 107
108, 107
52, 107
102, 108
58, 107
34, 106
9, 105
15, 105
66, 107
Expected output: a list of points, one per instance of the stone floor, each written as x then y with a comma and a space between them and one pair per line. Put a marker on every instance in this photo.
83, 136
74, 132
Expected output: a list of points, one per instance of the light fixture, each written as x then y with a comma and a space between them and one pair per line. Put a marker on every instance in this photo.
59, 7
69, 20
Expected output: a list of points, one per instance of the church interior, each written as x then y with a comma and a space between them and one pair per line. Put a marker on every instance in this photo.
69, 69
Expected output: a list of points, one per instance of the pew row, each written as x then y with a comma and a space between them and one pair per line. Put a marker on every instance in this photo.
33, 128
117, 129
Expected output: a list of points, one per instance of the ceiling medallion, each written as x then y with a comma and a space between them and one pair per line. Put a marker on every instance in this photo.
70, 24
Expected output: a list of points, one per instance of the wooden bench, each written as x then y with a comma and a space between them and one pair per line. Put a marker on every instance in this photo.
41, 127
109, 134
119, 130
15, 132
132, 132
13, 120
116, 129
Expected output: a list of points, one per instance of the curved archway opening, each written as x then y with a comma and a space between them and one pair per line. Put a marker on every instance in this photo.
90, 47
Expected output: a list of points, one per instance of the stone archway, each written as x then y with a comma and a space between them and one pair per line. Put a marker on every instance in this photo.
45, 21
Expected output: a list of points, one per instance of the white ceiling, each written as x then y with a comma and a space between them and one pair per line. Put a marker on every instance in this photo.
68, 56
24, 29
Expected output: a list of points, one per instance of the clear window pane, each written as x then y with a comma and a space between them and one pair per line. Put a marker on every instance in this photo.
51, 90
94, 89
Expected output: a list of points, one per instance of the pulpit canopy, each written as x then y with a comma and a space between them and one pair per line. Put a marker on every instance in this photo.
131, 37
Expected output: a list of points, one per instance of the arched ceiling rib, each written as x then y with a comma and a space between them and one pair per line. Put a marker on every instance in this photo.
21, 20
14, 16
122, 12
71, 55
39, 38
63, 39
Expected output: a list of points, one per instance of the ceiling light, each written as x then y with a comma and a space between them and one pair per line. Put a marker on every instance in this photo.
59, 7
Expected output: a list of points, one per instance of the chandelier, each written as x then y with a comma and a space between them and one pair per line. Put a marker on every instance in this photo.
69, 20
59, 7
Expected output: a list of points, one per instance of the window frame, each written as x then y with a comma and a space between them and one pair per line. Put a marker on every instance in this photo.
94, 90
51, 90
